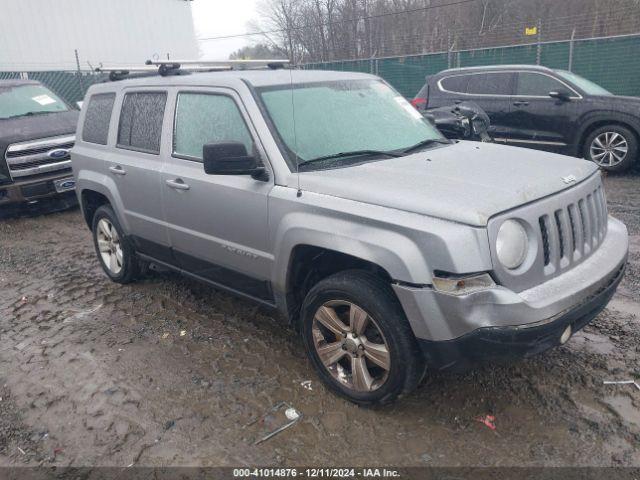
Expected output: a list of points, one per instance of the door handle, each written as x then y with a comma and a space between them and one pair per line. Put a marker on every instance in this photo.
177, 184
520, 103
117, 170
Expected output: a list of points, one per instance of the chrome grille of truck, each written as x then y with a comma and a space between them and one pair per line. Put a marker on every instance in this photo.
574, 231
32, 158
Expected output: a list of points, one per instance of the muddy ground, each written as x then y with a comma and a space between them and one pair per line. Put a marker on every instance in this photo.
170, 372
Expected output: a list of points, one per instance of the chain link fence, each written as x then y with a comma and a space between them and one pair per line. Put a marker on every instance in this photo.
612, 62
404, 47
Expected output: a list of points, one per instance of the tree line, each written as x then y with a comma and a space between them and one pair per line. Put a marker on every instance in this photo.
323, 30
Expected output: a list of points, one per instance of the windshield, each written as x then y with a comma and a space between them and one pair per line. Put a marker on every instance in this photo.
585, 85
28, 100
341, 117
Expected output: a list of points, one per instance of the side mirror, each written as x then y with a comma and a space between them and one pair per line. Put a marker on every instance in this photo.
560, 95
229, 158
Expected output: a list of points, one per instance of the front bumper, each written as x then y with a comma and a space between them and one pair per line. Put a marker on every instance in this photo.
503, 343
36, 190
496, 315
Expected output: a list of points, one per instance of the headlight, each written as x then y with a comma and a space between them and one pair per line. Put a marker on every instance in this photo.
512, 244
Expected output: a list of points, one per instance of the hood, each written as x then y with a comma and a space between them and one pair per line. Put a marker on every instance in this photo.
22, 129
466, 182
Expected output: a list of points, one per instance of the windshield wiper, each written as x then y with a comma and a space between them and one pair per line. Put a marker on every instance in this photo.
354, 153
425, 143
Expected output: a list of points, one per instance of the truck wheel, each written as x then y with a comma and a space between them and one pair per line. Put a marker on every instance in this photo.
116, 254
358, 339
612, 147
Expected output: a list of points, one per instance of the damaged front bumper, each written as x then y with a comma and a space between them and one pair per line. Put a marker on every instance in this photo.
498, 322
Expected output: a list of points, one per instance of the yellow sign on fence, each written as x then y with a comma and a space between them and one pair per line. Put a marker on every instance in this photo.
531, 30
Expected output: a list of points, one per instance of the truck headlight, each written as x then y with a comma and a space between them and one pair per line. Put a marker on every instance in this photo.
512, 244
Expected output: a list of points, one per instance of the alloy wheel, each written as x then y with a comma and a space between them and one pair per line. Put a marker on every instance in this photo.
609, 149
351, 346
110, 246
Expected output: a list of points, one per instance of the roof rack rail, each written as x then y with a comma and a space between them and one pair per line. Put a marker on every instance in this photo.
185, 67
120, 73
169, 65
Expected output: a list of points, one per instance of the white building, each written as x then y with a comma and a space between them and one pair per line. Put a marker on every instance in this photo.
38, 35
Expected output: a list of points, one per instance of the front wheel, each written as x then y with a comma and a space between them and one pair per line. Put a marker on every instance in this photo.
612, 147
358, 339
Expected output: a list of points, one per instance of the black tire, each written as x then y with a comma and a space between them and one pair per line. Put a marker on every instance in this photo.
130, 267
631, 143
376, 298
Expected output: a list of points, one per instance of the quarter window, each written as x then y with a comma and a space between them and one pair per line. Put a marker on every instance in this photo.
141, 121
207, 118
536, 85
97, 118
490, 84
456, 84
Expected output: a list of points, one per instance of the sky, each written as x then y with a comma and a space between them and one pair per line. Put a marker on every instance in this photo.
213, 18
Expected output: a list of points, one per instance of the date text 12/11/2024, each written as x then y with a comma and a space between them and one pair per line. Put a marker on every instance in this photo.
315, 473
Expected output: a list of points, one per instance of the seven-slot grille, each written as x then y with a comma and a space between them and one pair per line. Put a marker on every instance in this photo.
38, 157
574, 231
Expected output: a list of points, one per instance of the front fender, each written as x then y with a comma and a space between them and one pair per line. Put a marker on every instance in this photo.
408, 246
395, 253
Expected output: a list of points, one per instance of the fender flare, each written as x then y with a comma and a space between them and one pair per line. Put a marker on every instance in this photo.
96, 182
370, 243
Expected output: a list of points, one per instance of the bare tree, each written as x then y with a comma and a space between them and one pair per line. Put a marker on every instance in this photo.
324, 30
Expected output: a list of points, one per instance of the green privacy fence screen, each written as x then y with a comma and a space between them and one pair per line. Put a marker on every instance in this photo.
611, 62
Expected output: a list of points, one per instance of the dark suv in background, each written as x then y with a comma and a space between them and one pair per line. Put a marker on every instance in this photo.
545, 109
37, 130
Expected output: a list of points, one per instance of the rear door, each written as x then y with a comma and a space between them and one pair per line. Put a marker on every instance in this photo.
447, 91
134, 168
540, 121
492, 92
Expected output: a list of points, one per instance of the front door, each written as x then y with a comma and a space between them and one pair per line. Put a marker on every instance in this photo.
217, 224
540, 121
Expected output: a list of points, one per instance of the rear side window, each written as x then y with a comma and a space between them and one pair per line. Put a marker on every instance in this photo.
490, 84
456, 84
97, 118
207, 118
535, 84
141, 121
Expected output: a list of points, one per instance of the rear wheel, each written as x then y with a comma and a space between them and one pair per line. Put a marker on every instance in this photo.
612, 147
116, 254
359, 340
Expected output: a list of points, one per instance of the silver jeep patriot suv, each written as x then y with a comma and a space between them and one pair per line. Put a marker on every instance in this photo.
326, 195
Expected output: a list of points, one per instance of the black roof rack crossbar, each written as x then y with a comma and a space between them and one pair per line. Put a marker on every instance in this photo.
272, 64
185, 67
